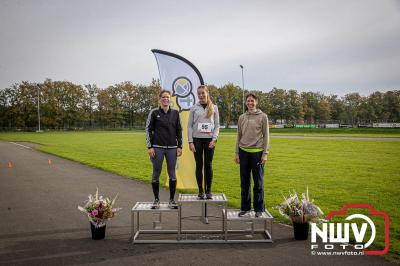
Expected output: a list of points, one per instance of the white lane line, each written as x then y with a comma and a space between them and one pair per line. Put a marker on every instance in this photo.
328, 137
26, 147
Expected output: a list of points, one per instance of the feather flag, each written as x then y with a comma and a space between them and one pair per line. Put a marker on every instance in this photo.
181, 77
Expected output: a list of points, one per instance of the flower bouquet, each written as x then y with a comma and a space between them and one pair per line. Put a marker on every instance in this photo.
301, 212
99, 210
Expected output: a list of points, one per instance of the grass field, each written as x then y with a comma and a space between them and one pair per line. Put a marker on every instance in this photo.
336, 171
344, 132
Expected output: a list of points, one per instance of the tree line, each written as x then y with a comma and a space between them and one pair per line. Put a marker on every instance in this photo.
65, 105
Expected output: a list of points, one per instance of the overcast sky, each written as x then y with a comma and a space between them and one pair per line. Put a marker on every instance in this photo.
334, 47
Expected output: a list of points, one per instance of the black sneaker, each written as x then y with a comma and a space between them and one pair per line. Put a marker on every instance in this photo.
242, 213
209, 196
201, 196
172, 204
259, 214
156, 204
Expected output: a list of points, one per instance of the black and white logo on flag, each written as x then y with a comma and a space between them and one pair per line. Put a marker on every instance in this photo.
180, 76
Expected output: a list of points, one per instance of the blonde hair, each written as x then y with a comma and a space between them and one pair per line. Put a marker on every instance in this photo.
210, 104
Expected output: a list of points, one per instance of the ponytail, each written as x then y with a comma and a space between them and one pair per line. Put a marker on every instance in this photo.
210, 107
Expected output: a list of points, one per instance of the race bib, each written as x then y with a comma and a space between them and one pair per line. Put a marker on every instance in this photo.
204, 127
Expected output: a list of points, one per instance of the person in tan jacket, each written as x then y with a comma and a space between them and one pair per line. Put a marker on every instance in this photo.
252, 147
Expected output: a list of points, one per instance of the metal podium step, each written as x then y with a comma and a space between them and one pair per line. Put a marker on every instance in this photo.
220, 197
146, 206
250, 221
233, 215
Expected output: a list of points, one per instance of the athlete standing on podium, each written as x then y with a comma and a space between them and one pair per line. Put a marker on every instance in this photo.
203, 130
252, 147
164, 139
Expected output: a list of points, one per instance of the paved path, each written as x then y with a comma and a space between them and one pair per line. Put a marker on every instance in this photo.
40, 223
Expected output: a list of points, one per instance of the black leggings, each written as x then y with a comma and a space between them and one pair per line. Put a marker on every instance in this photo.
202, 149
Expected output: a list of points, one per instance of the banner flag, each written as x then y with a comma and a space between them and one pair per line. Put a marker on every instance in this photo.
181, 77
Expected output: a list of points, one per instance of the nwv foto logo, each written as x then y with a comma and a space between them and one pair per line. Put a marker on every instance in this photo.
332, 233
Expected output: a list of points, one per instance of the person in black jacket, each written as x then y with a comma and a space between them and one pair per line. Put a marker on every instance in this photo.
164, 139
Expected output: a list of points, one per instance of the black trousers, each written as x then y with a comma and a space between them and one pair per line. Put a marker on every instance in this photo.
250, 166
203, 156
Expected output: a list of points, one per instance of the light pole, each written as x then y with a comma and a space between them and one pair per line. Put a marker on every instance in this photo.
241, 66
38, 105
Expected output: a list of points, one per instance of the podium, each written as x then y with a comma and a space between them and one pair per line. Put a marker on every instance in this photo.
227, 226
142, 208
250, 220
188, 236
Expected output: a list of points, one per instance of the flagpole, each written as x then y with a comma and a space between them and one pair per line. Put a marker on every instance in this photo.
241, 66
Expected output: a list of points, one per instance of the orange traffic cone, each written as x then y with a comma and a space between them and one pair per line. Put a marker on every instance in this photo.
9, 164
49, 162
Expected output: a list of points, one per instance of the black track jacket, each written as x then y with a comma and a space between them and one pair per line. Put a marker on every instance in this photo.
163, 130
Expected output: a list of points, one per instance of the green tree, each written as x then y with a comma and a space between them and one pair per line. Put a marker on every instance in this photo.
62, 103
4, 109
337, 108
293, 111
90, 103
110, 107
147, 100
310, 105
322, 108
230, 106
129, 101
24, 105
264, 103
391, 102
277, 98
352, 103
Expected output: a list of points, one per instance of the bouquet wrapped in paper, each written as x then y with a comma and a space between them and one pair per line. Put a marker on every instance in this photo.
300, 210
99, 209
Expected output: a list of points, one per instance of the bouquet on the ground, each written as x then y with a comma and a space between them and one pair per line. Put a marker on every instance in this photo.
300, 210
99, 209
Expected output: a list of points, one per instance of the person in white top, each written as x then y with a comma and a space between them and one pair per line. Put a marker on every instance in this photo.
203, 130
